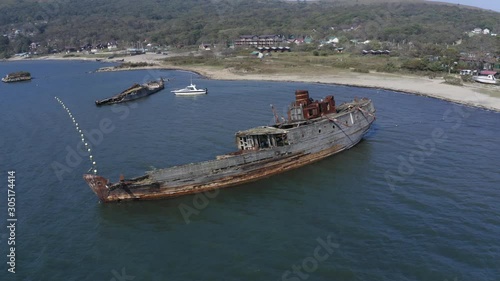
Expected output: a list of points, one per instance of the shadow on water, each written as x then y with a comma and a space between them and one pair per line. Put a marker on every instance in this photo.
323, 178
126, 214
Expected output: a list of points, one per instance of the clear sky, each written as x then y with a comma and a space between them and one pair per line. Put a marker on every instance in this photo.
485, 4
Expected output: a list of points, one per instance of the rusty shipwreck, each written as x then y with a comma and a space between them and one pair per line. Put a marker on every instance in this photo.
17, 77
314, 130
136, 91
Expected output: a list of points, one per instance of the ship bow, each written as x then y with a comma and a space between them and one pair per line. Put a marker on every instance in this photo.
98, 184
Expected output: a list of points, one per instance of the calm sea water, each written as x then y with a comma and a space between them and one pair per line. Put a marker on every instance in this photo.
417, 199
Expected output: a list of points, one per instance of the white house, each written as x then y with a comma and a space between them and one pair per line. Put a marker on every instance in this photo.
333, 40
477, 30
486, 31
112, 46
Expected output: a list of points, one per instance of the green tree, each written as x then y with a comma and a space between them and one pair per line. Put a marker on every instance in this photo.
374, 45
451, 56
415, 65
21, 44
4, 43
498, 46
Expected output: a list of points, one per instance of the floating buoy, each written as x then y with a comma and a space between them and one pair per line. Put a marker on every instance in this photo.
94, 164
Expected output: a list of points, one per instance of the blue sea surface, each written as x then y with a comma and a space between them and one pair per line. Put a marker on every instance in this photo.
417, 199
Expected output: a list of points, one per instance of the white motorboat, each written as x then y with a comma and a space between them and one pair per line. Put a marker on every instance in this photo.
487, 77
190, 90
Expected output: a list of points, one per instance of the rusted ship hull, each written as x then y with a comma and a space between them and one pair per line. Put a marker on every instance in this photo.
135, 92
17, 77
155, 190
303, 143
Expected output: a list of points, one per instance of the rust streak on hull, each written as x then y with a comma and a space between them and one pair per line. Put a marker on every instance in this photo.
98, 183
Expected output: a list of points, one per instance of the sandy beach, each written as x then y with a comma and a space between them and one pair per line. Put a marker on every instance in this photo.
470, 95
477, 95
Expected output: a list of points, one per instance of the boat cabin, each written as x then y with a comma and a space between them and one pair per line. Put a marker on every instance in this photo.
261, 138
301, 110
305, 108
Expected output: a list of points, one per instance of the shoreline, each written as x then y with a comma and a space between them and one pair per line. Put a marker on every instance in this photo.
468, 95
414, 85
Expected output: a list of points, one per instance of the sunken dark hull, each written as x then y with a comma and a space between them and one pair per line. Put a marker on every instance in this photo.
8, 79
133, 93
306, 142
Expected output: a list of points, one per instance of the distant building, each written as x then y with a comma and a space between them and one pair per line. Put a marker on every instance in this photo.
333, 40
258, 40
69, 49
477, 30
204, 47
376, 52
273, 49
478, 61
298, 41
112, 46
480, 31
135, 51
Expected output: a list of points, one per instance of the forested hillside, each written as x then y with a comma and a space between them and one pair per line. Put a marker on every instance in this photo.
76, 22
